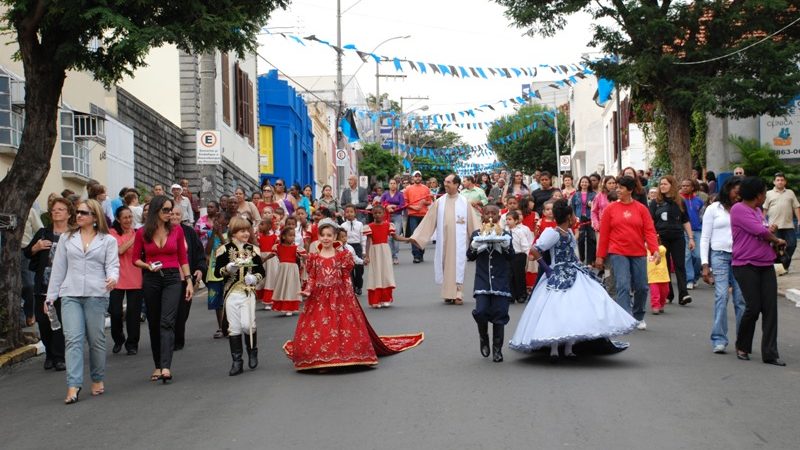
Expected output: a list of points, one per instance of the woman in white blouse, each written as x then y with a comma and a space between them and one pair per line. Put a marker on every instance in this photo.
716, 243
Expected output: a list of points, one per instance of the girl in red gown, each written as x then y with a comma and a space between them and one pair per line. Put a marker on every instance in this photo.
380, 277
332, 330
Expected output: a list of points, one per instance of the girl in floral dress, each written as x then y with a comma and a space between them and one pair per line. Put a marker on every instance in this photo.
568, 305
332, 330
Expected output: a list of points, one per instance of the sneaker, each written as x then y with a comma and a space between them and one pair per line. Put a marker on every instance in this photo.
719, 348
642, 325
656, 312
685, 300
288, 314
690, 285
417, 260
267, 307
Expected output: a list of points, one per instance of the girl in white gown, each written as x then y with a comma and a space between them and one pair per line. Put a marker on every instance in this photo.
569, 305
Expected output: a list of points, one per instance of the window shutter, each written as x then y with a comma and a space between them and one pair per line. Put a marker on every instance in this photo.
226, 89
250, 115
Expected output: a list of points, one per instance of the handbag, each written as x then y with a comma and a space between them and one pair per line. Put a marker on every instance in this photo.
781, 257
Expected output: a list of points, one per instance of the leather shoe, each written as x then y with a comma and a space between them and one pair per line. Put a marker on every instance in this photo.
775, 362
117, 348
48, 364
60, 366
132, 351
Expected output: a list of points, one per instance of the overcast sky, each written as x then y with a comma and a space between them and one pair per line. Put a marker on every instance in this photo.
457, 32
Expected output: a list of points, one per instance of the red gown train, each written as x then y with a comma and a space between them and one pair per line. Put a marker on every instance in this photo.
332, 330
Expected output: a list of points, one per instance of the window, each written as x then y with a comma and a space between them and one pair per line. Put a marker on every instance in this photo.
74, 152
11, 116
243, 89
226, 89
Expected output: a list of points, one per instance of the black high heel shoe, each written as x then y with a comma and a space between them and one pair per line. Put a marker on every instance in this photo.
73, 399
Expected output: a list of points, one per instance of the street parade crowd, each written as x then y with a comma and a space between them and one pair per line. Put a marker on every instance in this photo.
585, 256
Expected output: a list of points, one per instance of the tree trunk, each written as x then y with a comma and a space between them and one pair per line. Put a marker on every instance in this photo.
23, 182
679, 141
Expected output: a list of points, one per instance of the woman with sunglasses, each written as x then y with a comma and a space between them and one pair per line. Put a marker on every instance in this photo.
165, 266
284, 199
85, 269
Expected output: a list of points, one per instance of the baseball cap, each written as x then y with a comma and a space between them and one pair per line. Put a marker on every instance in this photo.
416, 172
176, 186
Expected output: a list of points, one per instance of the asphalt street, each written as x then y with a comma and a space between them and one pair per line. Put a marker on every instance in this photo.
668, 391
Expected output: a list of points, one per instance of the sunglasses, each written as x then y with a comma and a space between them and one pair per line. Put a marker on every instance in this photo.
278, 184
83, 212
166, 210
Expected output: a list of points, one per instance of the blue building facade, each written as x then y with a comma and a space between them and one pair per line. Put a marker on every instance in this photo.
285, 133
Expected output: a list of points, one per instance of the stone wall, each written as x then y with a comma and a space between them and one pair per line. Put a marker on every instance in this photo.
162, 154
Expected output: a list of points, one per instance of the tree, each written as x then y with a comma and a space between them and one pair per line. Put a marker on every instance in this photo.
657, 43
55, 37
436, 167
379, 163
760, 160
534, 149
393, 105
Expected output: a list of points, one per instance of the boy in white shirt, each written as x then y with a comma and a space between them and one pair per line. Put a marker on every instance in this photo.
356, 238
521, 240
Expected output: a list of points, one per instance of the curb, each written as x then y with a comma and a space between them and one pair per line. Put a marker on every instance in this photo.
18, 355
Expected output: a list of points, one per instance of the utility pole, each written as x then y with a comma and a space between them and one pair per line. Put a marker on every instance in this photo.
403, 117
378, 104
208, 75
558, 149
340, 142
618, 132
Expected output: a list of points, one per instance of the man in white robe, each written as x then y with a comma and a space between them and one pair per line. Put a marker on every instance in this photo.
450, 222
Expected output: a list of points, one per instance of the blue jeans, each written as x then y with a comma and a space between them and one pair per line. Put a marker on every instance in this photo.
723, 279
413, 222
630, 273
84, 318
692, 258
397, 221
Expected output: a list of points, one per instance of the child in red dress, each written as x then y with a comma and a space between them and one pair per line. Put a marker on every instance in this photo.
267, 237
332, 330
286, 296
380, 276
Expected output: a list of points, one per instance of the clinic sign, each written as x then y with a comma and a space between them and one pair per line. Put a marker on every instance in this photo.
209, 148
783, 133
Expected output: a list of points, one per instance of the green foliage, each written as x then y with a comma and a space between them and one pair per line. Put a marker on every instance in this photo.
653, 38
432, 167
393, 105
761, 160
536, 149
124, 31
653, 124
699, 128
379, 163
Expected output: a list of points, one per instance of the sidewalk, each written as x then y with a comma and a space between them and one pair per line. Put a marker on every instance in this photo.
792, 279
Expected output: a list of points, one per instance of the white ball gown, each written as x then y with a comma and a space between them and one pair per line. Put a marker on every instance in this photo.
568, 305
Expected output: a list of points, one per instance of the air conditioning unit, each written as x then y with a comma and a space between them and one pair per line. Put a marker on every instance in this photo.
17, 92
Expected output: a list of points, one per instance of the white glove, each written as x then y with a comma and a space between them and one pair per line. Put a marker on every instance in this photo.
250, 279
231, 267
476, 245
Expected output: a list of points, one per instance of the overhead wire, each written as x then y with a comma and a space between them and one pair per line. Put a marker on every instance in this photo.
734, 53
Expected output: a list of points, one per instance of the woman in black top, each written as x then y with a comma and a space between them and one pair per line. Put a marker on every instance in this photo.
639, 192
671, 222
40, 251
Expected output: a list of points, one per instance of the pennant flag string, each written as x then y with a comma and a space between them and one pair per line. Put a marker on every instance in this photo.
450, 70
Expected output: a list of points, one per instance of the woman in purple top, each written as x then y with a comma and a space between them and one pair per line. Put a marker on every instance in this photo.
394, 202
753, 259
